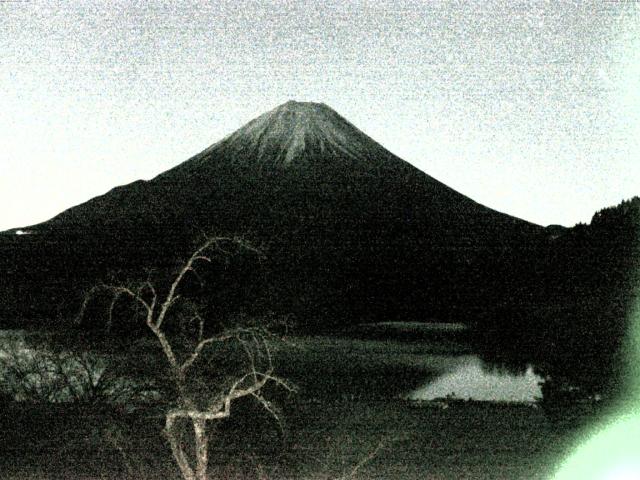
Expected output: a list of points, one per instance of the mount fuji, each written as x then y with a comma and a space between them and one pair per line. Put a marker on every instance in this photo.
350, 231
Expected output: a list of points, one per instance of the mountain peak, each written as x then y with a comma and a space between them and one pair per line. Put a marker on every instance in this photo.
299, 132
303, 107
293, 115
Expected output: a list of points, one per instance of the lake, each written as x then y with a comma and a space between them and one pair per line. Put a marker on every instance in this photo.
434, 365
424, 369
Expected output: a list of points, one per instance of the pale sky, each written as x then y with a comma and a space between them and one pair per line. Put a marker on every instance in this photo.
531, 108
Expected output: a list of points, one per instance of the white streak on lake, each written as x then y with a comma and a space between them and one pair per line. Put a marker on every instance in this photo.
468, 379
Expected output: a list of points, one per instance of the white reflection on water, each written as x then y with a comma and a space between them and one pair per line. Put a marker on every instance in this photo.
468, 380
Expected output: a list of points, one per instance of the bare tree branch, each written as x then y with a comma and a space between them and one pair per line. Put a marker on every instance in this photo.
198, 349
366, 459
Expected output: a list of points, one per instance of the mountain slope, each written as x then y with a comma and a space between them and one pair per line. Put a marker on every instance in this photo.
305, 146
350, 230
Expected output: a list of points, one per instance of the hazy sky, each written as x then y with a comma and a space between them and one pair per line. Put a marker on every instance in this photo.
531, 108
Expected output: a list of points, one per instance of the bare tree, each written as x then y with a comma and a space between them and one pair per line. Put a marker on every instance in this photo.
186, 354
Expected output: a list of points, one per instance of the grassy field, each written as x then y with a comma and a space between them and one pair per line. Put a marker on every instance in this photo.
347, 420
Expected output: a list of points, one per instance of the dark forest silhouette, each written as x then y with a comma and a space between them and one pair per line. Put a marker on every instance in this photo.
572, 324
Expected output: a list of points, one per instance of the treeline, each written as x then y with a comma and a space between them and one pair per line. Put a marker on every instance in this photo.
572, 312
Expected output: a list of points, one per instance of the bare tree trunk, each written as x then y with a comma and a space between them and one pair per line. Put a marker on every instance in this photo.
178, 452
248, 383
202, 443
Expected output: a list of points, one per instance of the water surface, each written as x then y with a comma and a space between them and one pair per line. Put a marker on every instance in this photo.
468, 378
